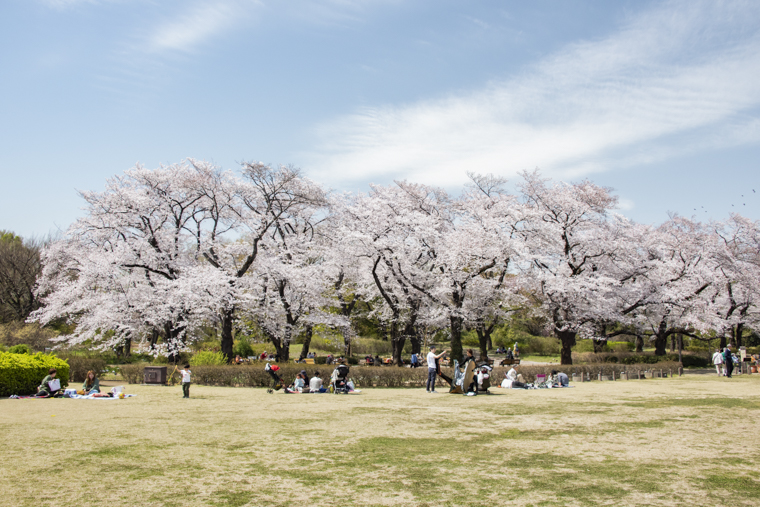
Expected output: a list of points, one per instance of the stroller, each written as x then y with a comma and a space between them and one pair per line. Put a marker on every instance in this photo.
339, 380
483, 375
277, 382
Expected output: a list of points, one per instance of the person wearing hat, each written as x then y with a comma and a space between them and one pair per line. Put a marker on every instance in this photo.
728, 361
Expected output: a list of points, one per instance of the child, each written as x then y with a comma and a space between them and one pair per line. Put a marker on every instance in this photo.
185, 381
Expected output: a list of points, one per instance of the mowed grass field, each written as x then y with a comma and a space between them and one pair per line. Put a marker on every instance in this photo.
684, 441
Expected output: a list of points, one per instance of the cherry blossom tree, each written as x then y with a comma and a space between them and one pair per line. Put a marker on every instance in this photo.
570, 243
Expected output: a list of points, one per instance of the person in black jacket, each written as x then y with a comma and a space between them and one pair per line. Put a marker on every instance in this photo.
728, 361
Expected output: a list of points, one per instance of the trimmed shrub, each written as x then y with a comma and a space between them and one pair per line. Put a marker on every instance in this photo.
79, 365
133, 373
20, 374
20, 349
207, 358
366, 377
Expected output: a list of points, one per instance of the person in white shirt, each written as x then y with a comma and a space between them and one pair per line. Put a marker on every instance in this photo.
315, 384
717, 360
185, 381
511, 382
432, 369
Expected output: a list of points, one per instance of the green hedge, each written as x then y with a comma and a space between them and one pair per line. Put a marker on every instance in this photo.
20, 374
79, 365
371, 376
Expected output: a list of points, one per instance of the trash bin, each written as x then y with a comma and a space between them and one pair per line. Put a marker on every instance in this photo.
155, 374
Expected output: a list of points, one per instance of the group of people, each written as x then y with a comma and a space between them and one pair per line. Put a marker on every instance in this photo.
513, 353
724, 361
299, 385
514, 380
50, 387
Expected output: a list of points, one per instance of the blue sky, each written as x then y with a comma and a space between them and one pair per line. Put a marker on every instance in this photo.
660, 100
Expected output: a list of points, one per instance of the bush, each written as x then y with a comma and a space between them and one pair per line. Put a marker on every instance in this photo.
79, 365
207, 358
133, 373
621, 346
243, 349
20, 349
21, 373
366, 377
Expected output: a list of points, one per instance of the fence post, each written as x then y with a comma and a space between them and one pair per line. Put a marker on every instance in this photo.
639, 374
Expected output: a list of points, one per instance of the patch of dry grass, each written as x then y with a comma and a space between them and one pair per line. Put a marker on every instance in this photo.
654, 442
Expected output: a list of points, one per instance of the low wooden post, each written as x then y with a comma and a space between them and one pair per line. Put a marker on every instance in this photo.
660, 372
639, 374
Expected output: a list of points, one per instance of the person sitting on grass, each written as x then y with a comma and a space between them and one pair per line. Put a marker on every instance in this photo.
44, 390
560, 379
91, 386
315, 384
511, 382
298, 384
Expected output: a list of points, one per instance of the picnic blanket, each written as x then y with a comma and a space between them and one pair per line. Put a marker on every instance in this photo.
91, 397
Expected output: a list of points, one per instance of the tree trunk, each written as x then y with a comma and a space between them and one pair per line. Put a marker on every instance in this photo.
227, 338
308, 331
599, 345
672, 343
680, 349
456, 338
416, 343
661, 339
660, 344
736, 336
484, 338
639, 343
567, 339
127, 347
346, 341
397, 340
153, 340
723, 342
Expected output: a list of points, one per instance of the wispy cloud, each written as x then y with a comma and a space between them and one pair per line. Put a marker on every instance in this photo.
200, 23
685, 72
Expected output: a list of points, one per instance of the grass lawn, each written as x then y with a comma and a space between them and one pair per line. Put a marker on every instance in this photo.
642, 442
540, 359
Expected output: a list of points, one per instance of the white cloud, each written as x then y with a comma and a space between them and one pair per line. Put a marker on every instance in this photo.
684, 74
195, 26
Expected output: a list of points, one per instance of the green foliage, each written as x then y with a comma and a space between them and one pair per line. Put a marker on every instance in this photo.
36, 337
80, 364
368, 346
20, 349
243, 348
208, 358
253, 375
21, 373
628, 358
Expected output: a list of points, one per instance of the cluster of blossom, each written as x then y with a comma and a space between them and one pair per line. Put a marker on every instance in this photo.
161, 253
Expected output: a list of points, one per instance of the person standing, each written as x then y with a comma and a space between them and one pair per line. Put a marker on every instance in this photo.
717, 360
185, 372
415, 362
728, 361
432, 369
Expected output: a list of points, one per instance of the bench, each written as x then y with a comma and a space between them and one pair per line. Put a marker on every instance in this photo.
507, 362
